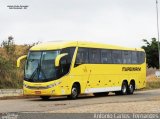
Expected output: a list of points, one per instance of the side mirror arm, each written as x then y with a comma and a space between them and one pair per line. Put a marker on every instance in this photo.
57, 60
19, 60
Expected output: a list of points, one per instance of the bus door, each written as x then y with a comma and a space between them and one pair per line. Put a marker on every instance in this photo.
81, 68
65, 69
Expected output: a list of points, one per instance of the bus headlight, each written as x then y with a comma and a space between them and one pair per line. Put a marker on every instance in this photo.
53, 85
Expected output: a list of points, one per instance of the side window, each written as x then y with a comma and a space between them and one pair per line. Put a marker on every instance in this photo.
141, 57
134, 57
116, 57
106, 57
126, 56
82, 56
70, 52
94, 56
66, 60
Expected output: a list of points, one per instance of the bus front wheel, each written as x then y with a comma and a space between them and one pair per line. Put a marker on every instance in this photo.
74, 92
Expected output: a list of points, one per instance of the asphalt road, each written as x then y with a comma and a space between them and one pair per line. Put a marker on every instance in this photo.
59, 103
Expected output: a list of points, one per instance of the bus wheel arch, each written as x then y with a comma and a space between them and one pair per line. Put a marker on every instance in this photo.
75, 90
79, 86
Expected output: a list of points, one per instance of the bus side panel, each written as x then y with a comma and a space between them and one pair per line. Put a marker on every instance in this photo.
80, 74
141, 82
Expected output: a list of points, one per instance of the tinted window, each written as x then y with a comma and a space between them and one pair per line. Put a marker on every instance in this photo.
82, 56
97, 56
141, 57
126, 57
70, 52
134, 57
94, 56
116, 57
66, 60
106, 57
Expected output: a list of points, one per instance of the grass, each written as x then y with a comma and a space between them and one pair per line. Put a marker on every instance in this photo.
153, 84
10, 76
11, 84
12, 80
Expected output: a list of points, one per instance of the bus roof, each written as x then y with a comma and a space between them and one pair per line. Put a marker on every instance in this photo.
64, 44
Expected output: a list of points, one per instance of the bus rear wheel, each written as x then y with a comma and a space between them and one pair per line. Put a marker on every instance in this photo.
101, 94
124, 89
45, 97
131, 88
74, 92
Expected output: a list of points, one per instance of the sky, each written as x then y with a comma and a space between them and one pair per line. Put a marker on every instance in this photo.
116, 22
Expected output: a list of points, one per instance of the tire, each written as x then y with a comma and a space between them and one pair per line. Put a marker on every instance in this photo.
124, 89
74, 92
131, 88
45, 97
101, 94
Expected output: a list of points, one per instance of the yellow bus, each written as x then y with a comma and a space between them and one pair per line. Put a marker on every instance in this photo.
73, 68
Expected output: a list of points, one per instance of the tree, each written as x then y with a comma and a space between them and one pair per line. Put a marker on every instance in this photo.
9, 45
151, 49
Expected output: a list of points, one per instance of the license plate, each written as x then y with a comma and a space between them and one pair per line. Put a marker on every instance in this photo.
37, 92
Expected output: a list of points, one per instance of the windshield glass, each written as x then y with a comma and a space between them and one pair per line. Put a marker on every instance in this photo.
40, 66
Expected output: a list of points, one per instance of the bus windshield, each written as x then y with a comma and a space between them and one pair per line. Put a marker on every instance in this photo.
40, 66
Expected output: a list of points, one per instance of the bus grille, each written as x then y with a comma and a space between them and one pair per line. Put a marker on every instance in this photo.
37, 87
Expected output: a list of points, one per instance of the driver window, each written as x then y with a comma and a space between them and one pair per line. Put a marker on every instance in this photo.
82, 56
66, 60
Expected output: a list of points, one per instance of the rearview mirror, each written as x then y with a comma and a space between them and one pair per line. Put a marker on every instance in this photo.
19, 60
58, 58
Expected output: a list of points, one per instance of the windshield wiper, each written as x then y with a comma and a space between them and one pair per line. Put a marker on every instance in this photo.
42, 73
35, 71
